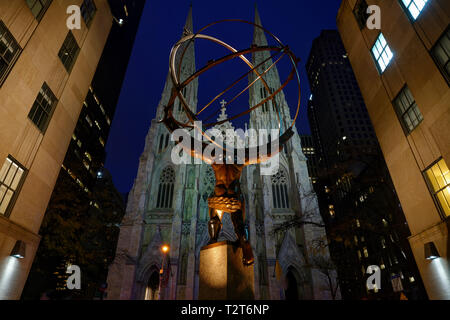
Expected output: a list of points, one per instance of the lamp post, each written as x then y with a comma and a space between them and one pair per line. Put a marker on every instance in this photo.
165, 249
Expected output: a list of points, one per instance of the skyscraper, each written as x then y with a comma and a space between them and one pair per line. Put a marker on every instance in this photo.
82, 174
355, 191
402, 69
168, 205
45, 72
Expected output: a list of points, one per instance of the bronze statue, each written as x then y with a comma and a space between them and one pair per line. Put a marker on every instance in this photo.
228, 198
227, 195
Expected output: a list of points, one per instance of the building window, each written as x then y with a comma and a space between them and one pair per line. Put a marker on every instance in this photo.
407, 110
438, 177
43, 107
38, 7
88, 10
165, 190
11, 179
9, 51
360, 12
414, 7
69, 51
382, 53
441, 54
331, 210
280, 190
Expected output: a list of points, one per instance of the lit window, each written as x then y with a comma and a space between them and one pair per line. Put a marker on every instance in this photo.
102, 142
358, 224
89, 120
11, 178
382, 53
69, 51
38, 7
366, 253
86, 164
9, 51
441, 53
87, 154
438, 177
331, 208
43, 108
88, 10
414, 7
407, 110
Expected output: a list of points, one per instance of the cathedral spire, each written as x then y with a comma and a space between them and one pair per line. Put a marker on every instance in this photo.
189, 26
265, 116
259, 37
187, 69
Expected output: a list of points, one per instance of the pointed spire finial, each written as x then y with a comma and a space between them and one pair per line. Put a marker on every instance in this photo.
189, 26
257, 17
259, 36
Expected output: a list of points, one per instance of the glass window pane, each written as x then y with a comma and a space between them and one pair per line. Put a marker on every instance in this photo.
440, 54
439, 176
17, 178
5, 202
36, 10
406, 2
444, 200
2, 191
432, 180
444, 169
382, 40
10, 175
4, 169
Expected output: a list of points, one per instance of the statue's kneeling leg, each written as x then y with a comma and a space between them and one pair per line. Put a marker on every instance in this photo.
214, 226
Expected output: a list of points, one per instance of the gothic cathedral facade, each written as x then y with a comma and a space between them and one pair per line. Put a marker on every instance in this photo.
168, 205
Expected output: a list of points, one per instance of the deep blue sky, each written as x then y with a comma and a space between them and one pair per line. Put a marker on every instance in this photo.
295, 22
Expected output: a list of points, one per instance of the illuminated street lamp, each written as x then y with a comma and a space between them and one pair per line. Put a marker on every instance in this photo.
431, 251
19, 250
165, 249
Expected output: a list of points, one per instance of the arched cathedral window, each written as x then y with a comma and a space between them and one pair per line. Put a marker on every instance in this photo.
280, 190
165, 190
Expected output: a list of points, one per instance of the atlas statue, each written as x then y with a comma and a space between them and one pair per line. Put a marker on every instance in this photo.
227, 196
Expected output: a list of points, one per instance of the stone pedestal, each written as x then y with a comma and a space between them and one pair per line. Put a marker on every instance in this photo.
222, 275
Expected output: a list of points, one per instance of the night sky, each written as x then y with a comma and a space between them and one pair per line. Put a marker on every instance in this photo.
295, 22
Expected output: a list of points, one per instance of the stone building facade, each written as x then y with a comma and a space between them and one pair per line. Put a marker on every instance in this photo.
403, 72
45, 72
168, 205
